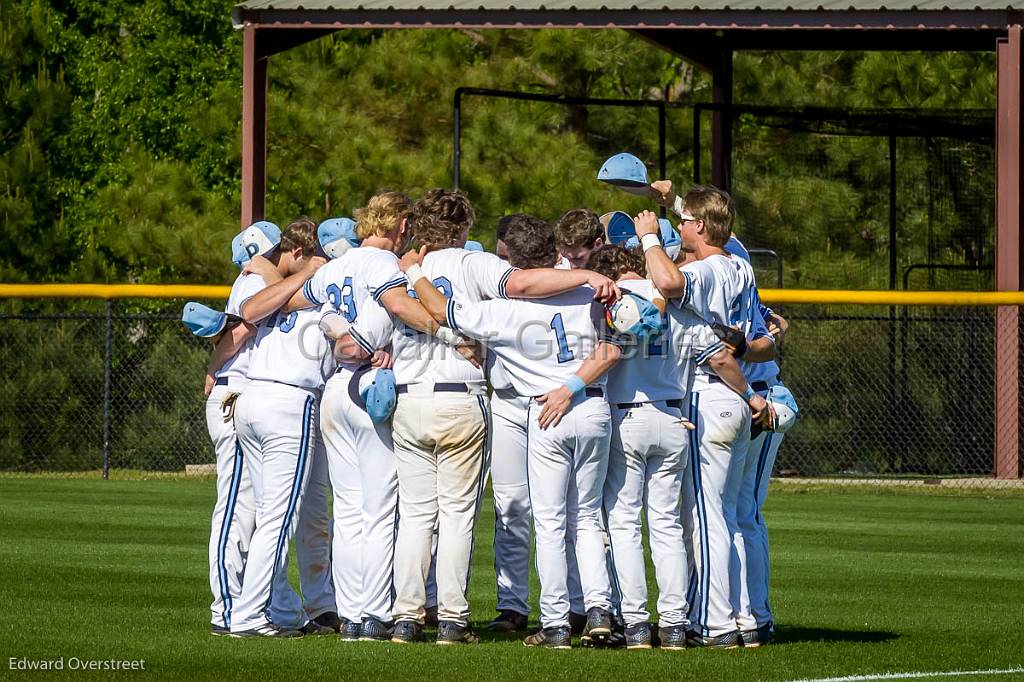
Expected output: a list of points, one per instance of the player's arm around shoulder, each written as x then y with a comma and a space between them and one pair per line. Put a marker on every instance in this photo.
272, 298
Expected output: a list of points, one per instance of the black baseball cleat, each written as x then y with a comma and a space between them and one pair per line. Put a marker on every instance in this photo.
672, 637
729, 640
374, 630
430, 617
751, 639
577, 623
508, 621
639, 636
598, 630
550, 638
330, 620
407, 632
350, 630
219, 630
450, 632
269, 630
314, 628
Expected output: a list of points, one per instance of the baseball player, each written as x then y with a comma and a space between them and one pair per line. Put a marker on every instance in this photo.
648, 391
719, 289
578, 233
440, 423
234, 513
542, 345
275, 418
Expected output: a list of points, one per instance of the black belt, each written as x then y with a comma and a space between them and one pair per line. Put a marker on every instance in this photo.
222, 381
593, 392
438, 388
758, 386
675, 402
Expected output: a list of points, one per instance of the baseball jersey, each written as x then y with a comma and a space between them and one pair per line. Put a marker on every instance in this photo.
661, 367
291, 349
352, 278
722, 289
541, 343
244, 287
756, 371
374, 329
465, 276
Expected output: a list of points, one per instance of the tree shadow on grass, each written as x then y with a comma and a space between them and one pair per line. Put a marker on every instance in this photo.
790, 634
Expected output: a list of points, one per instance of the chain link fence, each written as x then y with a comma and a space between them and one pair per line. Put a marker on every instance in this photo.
884, 391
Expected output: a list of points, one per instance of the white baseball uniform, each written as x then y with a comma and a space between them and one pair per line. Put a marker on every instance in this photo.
440, 432
718, 289
542, 344
647, 392
360, 453
276, 421
234, 514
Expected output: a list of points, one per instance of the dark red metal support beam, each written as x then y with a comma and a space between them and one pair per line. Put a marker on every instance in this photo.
254, 128
1009, 260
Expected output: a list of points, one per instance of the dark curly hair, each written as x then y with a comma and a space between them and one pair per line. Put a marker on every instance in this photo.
441, 217
615, 261
530, 242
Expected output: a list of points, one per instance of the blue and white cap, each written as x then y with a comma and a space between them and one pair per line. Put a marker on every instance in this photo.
618, 227
786, 409
626, 172
336, 236
472, 245
634, 316
670, 239
258, 239
375, 391
203, 321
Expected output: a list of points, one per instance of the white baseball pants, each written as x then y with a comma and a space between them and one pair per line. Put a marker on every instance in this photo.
440, 449
711, 489
234, 513
365, 483
646, 462
751, 577
567, 466
276, 426
313, 540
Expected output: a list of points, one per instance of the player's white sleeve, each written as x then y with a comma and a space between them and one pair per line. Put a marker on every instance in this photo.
249, 286
477, 320
700, 281
315, 288
706, 344
384, 275
373, 328
488, 273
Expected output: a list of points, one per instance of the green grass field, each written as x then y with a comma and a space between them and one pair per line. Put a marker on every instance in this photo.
864, 582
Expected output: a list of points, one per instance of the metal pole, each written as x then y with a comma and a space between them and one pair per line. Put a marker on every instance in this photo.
457, 141
106, 389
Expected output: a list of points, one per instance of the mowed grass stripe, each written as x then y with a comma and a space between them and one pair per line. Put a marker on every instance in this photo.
864, 583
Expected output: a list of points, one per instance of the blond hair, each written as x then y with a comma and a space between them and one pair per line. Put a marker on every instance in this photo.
382, 214
714, 207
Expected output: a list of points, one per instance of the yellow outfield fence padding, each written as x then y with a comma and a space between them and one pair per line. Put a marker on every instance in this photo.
770, 296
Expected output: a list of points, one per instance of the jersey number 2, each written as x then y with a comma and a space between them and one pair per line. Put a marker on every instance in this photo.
564, 354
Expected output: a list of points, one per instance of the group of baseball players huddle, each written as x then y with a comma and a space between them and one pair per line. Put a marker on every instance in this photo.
603, 371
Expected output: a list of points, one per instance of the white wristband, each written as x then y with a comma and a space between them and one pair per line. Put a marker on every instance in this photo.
677, 206
414, 274
449, 337
649, 241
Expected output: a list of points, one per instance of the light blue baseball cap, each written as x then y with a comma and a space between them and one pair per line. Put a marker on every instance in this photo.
619, 227
260, 239
336, 236
786, 409
634, 316
625, 171
375, 391
203, 321
668, 234
472, 245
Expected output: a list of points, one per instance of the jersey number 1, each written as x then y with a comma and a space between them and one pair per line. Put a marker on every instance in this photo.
564, 354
